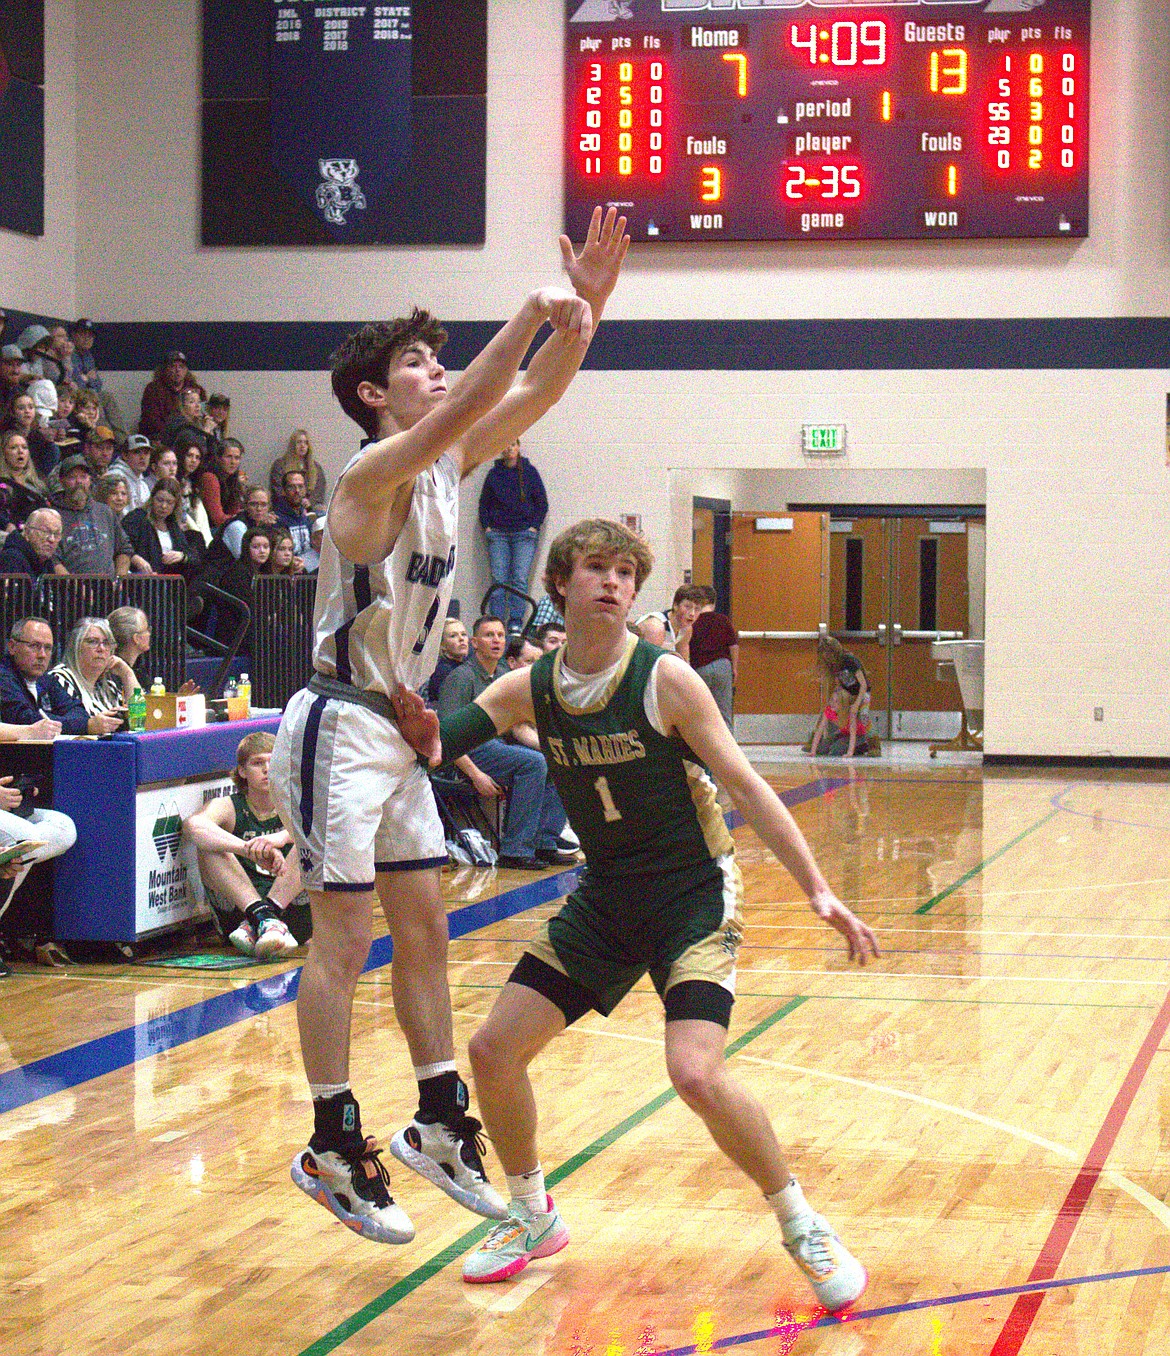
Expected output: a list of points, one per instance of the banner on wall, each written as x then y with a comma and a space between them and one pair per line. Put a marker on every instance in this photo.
22, 116
167, 888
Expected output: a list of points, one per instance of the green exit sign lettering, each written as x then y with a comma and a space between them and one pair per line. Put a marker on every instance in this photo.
823, 440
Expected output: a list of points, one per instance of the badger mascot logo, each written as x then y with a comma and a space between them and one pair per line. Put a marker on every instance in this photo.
338, 191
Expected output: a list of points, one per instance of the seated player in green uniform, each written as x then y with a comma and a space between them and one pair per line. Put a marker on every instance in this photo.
253, 881
633, 738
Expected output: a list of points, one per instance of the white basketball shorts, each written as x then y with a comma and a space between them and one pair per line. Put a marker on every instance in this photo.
351, 792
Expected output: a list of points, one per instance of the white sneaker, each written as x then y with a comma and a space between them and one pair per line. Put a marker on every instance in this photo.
244, 939
514, 1242
274, 939
452, 1158
355, 1190
838, 1279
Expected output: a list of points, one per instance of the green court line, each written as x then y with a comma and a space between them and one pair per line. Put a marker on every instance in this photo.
401, 1289
975, 870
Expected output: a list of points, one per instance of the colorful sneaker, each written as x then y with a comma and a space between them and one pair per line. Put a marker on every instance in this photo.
274, 939
452, 1158
838, 1279
355, 1190
244, 938
514, 1242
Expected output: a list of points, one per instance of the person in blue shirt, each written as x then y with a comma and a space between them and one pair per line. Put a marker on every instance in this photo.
291, 510
26, 695
512, 507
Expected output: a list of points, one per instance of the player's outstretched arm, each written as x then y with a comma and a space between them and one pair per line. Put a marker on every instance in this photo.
594, 274
495, 711
362, 517
689, 710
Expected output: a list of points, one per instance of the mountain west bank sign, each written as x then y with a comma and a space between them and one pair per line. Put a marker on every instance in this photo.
167, 887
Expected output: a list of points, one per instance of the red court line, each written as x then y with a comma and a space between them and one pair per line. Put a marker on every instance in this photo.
1026, 1307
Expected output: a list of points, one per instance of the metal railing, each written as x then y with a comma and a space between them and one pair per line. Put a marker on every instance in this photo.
282, 636
64, 599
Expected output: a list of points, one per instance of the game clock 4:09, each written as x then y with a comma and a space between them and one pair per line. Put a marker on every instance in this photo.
828, 119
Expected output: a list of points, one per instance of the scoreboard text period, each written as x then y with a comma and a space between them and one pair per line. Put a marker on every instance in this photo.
828, 119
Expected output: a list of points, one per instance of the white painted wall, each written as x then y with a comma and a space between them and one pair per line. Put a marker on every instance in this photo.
39, 273
1078, 491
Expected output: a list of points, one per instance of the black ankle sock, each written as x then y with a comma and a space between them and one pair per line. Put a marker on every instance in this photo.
442, 1098
337, 1123
258, 912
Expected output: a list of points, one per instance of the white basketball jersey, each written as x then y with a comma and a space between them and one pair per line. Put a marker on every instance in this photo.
378, 625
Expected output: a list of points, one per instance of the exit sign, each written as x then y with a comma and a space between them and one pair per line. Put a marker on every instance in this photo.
822, 440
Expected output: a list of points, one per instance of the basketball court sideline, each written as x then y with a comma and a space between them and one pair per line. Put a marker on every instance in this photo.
983, 1113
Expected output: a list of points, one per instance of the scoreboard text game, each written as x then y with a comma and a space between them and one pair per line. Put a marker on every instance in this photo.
828, 119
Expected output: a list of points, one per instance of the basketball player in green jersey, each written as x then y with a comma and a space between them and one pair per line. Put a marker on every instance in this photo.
633, 738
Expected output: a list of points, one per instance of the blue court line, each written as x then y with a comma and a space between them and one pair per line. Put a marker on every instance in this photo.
106, 1054
942, 1301
1098, 818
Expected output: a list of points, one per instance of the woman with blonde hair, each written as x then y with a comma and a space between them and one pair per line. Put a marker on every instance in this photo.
843, 724
131, 629
91, 672
298, 456
21, 489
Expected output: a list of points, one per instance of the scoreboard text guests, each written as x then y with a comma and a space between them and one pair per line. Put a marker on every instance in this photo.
750, 120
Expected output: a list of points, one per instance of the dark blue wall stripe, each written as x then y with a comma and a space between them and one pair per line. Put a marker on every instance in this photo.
106, 1054
1106, 343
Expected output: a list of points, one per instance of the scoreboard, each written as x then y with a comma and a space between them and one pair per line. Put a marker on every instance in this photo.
828, 119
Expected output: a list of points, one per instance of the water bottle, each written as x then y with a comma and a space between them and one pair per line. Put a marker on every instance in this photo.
138, 709
158, 688
232, 689
244, 690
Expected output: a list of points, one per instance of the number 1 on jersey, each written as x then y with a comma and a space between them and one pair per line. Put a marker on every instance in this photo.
612, 813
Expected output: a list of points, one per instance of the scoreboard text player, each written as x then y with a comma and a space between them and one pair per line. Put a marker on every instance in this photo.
829, 120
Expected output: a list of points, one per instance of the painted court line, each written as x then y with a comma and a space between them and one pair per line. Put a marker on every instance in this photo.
1026, 1307
986, 862
331, 1340
912, 1306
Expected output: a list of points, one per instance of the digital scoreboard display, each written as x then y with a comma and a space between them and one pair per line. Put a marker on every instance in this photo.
828, 119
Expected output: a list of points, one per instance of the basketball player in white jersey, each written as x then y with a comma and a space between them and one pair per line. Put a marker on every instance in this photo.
348, 786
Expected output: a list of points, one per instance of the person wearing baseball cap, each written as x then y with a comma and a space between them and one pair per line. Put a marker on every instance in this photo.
132, 466
11, 372
83, 371
161, 398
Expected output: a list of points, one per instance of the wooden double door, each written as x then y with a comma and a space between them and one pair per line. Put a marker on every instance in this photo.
886, 587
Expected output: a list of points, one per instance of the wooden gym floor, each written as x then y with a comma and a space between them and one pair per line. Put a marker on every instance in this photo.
984, 1114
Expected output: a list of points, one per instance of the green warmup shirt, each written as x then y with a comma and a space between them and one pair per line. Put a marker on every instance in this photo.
248, 825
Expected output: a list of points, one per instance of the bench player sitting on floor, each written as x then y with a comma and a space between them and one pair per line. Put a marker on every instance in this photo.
633, 739
348, 786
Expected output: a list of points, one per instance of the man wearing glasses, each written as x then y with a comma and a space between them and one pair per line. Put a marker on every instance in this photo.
25, 697
32, 550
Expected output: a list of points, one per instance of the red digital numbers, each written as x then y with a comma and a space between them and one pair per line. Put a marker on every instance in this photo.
824, 182
620, 131
1035, 113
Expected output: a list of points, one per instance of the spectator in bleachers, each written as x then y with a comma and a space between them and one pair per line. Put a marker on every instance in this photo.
284, 556
87, 411
131, 628
62, 424
219, 407
100, 448
132, 465
161, 398
156, 533
84, 373
189, 417
25, 696
91, 673
95, 542
550, 636
33, 550
11, 373
34, 344
164, 465
112, 490
22, 418
57, 362
220, 484
51, 831
299, 457
521, 653
452, 652
512, 506
665, 629
256, 512
535, 817
22, 491
194, 510
252, 878
236, 576
291, 510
